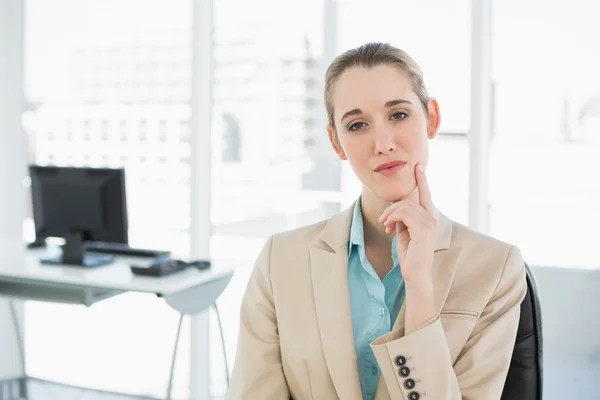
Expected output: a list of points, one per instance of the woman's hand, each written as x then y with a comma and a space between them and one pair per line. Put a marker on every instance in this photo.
416, 227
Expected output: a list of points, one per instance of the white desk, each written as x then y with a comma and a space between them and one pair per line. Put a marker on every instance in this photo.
189, 292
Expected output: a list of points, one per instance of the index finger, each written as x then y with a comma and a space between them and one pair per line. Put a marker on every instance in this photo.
424, 192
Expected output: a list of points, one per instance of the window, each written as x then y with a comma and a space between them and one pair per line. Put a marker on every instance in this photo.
85, 80
543, 191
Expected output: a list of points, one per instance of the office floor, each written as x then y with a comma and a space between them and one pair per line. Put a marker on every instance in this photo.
43, 390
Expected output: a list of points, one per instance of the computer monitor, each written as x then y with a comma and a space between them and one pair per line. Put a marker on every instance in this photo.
79, 205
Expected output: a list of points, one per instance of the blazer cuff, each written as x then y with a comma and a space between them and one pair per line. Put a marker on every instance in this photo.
412, 364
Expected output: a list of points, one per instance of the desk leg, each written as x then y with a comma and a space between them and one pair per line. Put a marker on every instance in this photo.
17, 314
200, 357
11, 339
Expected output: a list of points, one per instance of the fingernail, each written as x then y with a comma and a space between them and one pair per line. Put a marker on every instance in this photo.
420, 168
380, 218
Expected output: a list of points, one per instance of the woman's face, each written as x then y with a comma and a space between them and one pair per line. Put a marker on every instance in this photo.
379, 120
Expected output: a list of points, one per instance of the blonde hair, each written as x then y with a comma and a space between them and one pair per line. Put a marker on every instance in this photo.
368, 56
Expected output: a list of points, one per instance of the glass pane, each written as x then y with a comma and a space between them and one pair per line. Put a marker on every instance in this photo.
108, 84
269, 170
267, 102
543, 191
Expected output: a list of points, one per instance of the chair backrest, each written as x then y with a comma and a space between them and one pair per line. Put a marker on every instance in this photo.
525, 376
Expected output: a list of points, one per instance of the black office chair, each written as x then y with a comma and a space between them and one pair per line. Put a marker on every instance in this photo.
525, 378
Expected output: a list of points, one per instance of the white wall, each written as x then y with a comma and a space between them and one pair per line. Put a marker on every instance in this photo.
570, 298
12, 169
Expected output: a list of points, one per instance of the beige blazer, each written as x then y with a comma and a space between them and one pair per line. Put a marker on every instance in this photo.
296, 335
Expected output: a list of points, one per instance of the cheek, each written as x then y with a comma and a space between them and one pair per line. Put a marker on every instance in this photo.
354, 147
415, 142
413, 145
424, 148
358, 155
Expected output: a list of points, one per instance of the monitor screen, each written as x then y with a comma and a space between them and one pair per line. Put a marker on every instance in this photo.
79, 204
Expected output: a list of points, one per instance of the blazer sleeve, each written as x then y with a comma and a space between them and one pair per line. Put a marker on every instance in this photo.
257, 371
481, 368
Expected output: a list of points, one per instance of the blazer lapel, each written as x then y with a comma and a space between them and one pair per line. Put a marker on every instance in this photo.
445, 260
329, 269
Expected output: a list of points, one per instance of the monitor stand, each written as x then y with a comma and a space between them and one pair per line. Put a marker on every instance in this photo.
38, 243
73, 253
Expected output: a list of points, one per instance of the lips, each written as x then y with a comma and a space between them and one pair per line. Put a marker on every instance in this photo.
389, 165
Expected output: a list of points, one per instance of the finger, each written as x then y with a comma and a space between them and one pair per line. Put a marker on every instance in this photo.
400, 228
397, 229
395, 225
424, 192
405, 219
407, 208
401, 222
390, 209
419, 224
400, 216
397, 206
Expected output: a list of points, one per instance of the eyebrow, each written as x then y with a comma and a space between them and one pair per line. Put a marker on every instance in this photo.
391, 103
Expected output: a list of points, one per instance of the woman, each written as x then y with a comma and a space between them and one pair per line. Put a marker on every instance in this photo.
389, 299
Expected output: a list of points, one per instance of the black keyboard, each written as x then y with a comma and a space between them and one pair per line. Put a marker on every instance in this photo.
121, 249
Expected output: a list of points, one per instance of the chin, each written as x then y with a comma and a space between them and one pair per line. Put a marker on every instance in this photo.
397, 193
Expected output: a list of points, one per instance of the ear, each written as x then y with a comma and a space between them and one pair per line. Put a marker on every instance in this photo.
434, 118
335, 143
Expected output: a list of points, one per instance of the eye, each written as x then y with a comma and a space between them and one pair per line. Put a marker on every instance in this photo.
356, 125
400, 115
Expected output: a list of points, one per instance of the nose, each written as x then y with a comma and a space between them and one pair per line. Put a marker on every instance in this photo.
384, 142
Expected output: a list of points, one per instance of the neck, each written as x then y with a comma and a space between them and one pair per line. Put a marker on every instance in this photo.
372, 207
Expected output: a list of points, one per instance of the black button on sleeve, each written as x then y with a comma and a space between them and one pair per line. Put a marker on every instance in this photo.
409, 383
413, 396
400, 361
404, 372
